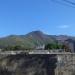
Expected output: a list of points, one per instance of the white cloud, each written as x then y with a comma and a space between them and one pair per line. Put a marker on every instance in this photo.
63, 26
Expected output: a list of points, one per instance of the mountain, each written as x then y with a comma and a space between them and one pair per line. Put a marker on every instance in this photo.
33, 39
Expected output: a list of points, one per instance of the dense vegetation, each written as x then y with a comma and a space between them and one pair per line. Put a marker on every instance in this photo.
53, 46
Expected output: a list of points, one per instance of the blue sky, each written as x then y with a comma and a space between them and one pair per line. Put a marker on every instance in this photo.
23, 16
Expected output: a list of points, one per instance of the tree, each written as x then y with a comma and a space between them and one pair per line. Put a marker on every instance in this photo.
53, 46
48, 46
66, 48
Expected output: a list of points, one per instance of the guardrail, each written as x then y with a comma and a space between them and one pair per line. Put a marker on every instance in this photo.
34, 52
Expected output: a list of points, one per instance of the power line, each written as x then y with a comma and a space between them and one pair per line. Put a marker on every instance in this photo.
65, 3
70, 2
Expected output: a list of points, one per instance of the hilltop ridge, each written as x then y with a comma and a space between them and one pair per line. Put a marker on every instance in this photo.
33, 39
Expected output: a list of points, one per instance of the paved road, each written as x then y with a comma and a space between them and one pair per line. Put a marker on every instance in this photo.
34, 52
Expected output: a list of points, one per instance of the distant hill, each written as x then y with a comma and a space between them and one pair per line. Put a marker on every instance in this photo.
33, 39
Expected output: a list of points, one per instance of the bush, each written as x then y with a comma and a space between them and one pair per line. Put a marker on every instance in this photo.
53, 46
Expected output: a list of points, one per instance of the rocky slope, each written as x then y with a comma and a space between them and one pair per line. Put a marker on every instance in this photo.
28, 65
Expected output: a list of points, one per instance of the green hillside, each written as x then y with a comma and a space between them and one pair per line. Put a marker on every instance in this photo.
30, 40
35, 39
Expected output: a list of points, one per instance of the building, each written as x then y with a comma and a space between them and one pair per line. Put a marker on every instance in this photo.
40, 47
